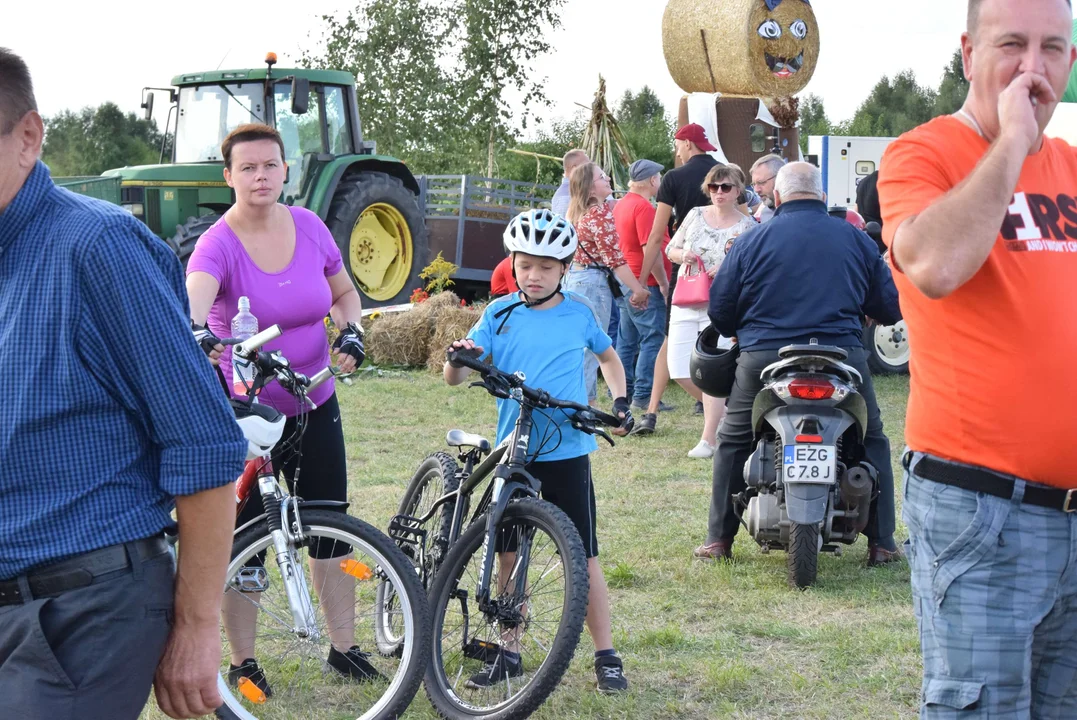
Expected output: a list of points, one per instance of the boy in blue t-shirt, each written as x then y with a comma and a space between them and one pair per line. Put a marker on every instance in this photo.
546, 333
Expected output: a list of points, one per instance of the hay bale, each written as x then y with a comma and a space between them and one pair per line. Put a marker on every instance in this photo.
399, 339
452, 323
414, 337
725, 48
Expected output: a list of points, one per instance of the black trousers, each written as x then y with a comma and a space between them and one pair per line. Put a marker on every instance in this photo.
735, 445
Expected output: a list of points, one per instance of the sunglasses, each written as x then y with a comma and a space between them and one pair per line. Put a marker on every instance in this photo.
724, 187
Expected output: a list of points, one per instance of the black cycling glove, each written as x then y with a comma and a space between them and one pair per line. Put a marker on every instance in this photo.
350, 342
205, 338
620, 405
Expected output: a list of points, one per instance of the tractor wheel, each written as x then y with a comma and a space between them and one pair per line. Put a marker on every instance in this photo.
888, 348
379, 228
187, 235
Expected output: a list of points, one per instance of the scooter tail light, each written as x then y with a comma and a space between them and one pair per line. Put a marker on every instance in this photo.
811, 388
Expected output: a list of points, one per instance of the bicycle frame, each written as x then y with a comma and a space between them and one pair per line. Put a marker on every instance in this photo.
510, 481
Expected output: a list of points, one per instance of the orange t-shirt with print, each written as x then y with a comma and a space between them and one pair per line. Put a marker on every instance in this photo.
994, 364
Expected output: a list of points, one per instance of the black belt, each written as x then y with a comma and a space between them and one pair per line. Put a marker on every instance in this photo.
588, 267
80, 571
985, 481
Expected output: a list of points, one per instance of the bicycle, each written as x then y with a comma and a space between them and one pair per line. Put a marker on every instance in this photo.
290, 625
478, 606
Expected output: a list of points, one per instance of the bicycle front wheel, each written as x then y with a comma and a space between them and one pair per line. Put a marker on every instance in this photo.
536, 608
317, 659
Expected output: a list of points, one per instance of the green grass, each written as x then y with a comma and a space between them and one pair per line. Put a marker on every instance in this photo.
698, 640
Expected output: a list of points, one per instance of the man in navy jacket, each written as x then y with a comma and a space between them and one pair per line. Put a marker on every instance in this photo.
802, 276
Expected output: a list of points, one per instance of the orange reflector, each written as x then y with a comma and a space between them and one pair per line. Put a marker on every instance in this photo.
356, 569
251, 691
809, 438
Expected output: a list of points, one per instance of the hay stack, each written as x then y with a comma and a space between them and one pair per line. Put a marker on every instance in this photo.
453, 323
725, 48
419, 336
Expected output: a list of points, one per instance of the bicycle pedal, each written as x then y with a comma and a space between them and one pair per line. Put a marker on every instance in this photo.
481, 650
407, 529
251, 580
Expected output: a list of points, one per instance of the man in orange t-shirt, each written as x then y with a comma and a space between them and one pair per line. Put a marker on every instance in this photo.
980, 214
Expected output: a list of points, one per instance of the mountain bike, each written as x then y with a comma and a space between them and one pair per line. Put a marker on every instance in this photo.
509, 576
278, 557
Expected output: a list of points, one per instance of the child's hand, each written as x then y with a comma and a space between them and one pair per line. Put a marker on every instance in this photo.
467, 345
621, 410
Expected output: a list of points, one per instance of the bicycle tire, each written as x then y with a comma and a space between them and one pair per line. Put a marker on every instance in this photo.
441, 467
394, 566
569, 546
437, 472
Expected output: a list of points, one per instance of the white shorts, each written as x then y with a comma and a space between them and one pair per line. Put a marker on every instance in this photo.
685, 325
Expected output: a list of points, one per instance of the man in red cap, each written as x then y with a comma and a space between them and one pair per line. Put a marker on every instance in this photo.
680, 191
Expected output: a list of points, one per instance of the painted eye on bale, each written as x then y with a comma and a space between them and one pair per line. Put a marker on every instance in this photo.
799, 29
770, 30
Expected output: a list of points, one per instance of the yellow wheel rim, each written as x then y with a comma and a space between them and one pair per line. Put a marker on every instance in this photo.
381, 252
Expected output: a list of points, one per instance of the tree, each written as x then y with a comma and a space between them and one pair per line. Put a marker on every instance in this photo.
500, 41
97, 139
562, 136
813, 119
953, 88
894, 107
647, 129
407, 100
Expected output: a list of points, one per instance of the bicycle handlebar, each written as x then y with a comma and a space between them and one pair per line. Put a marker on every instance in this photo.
498, 383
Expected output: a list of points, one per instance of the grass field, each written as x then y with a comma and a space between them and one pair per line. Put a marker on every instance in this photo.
698, 640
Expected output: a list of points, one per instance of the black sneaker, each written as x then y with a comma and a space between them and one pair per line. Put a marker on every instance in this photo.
353, 664
662, 406
699, 408
610, 672
498, 671
646, 424
249, 669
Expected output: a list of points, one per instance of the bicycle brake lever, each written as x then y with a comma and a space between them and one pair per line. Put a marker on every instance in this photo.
605, 436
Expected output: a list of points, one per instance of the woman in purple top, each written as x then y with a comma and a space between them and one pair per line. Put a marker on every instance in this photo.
285, 261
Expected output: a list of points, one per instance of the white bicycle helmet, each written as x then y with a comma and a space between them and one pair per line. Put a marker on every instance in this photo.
261, 425
543, 233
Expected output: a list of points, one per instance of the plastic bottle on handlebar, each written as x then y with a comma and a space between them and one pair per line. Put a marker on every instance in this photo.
244, 326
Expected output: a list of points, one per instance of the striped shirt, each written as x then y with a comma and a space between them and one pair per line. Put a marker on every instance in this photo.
110, 409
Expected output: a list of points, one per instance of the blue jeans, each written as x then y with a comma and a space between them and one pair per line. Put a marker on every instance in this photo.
614, 330
641, 335
592, 285
994, 588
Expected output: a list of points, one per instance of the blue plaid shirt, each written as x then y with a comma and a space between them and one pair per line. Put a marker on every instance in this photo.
109, 409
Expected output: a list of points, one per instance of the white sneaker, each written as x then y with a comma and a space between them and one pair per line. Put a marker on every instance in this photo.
703, 450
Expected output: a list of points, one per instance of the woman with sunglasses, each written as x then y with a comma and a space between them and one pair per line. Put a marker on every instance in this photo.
599, 253
707, 233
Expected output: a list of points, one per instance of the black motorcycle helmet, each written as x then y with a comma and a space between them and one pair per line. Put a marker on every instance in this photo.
713, 369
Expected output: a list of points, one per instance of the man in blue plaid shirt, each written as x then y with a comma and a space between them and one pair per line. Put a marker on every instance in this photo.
111, 417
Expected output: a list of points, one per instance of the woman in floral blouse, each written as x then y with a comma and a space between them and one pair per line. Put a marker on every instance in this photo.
707, 233
599, 249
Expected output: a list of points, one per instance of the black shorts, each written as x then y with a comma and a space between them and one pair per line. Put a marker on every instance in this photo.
323, 467
567, 484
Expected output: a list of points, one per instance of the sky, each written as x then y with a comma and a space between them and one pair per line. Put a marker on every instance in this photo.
147, 44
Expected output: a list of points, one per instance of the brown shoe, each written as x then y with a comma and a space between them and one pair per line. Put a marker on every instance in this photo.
881, 556
717, 550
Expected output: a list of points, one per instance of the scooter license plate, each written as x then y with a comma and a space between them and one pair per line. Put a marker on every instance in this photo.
809, 463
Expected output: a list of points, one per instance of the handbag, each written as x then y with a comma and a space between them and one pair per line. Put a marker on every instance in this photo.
694, 287
611, 279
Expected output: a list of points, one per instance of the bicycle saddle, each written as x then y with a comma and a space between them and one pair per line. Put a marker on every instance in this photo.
459, 438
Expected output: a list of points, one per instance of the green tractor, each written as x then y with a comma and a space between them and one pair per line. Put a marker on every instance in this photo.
369, 201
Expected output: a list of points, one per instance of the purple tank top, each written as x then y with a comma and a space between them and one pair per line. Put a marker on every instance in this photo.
297, 298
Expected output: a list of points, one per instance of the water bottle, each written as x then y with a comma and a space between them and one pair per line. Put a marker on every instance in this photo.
244, 326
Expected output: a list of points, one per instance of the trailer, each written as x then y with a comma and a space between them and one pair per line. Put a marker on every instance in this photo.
844, 162
465, 218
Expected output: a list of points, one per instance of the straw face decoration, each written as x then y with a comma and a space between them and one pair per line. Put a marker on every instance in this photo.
747, 48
